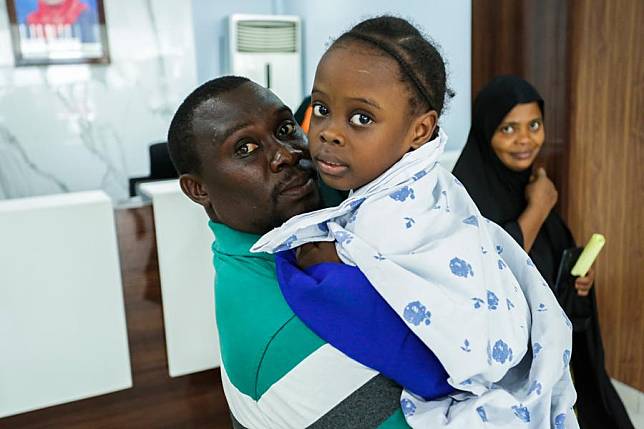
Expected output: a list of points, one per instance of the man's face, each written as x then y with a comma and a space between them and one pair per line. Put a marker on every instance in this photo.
255, 165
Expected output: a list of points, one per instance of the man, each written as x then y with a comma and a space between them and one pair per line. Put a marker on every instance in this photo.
241, 155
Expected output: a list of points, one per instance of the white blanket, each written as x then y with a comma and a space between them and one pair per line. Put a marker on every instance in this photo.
462, 285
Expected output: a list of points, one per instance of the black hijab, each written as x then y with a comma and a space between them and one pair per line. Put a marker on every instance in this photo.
498, 191
499, 194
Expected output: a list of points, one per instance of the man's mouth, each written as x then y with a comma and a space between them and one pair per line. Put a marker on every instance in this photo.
298, 184
330, 165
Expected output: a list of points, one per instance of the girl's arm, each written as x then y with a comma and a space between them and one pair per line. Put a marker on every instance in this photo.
310, 254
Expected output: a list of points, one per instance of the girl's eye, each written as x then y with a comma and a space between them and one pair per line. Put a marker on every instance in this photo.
286, 129
360, 119
246, 149
508, 129
320, 111
535, 126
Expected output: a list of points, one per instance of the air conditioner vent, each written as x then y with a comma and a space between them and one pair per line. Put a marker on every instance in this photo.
258, 36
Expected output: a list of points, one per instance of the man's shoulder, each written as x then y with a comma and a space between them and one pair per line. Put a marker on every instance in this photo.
261, 338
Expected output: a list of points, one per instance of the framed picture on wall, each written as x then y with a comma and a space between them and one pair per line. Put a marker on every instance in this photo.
47, 32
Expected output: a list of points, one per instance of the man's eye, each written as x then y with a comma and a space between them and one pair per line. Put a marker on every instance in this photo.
246, 149
319, 110
286, 130
508, 129
535, 125
360, 119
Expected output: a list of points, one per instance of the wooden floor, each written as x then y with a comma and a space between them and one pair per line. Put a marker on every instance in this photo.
155, 400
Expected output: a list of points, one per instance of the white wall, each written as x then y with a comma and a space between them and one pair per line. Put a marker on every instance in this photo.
209, 30
80, 127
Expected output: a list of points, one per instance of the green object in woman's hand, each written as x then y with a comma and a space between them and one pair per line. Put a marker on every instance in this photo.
588, 256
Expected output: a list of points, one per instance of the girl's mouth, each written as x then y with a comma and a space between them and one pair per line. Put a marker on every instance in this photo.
330, 167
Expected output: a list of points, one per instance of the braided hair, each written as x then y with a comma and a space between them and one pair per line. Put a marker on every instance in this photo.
422, 67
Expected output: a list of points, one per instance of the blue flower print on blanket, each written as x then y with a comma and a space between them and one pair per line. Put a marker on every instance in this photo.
482, 414
501, 264
566, 320
460, 268
535, 387
343, 237
522, 413
402, 194
499, 249
408, 407
501, 352
287, 244
322, 226
409, 222
420, 175
492, 300
466, 346
536, 348
566, 357
416, 313
357, 203
437, 205
477, 302
560, 421
509, 304
472, 220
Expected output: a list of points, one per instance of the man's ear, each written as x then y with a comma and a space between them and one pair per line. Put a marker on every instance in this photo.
194, 189
423, 128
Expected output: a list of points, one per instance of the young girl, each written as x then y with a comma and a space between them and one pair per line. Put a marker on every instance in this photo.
459, 282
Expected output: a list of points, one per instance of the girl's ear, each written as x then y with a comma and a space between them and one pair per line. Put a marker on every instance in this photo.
423, 128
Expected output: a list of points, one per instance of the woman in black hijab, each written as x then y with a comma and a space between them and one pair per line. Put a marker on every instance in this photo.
496, 167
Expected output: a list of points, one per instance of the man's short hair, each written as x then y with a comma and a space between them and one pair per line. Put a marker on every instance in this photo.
181, 139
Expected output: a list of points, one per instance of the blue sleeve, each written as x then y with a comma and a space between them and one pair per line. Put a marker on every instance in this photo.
338, 303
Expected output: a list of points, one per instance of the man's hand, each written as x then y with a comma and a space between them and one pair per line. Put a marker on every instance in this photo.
583, 284
315, 253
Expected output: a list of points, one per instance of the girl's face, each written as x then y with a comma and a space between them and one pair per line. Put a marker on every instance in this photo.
361, 123
519, 137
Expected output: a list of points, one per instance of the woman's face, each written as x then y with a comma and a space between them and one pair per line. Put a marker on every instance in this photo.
519, 137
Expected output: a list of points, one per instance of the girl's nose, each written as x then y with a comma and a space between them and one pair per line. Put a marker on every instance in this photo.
329, 136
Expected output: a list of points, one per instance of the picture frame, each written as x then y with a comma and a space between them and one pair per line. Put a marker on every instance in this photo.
47, 32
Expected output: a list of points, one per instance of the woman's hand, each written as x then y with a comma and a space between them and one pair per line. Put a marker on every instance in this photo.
583, 284
541, 196
315, 253
541, 192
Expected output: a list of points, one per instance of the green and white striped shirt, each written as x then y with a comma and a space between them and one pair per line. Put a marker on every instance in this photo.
276, 372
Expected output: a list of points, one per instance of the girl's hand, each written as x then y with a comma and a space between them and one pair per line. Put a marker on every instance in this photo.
316, 253
583, 284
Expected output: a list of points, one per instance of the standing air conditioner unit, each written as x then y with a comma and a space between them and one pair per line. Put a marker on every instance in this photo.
268, 50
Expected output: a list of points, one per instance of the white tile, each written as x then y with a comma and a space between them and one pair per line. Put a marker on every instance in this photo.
187, 278
633, 401
63, 335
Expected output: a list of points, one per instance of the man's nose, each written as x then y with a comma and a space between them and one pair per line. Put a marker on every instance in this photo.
285, 155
